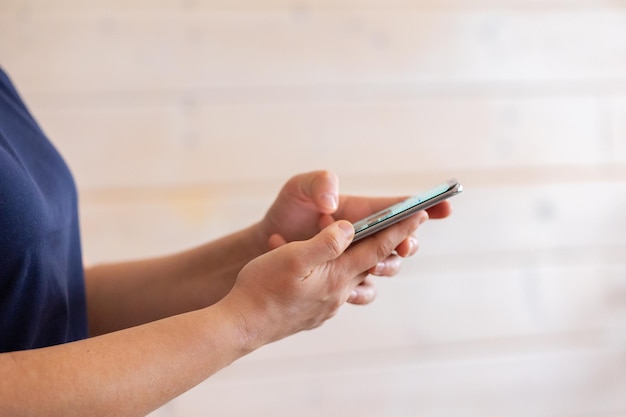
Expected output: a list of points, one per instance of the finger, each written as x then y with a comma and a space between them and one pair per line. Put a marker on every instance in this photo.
321, 188
440, 211
408, 247
355, 208
378, 247
387, 267
328, 244
276, 241
364, 293
417, 220
325, 220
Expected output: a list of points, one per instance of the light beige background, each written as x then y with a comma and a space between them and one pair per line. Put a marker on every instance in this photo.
181, 119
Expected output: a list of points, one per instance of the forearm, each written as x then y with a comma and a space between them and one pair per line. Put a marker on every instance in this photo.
126, 294
133, 371
125, 373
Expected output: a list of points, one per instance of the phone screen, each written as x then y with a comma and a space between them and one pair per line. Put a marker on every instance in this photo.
399, 211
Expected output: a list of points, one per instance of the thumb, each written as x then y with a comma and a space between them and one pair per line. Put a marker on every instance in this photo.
319, 187
331, 242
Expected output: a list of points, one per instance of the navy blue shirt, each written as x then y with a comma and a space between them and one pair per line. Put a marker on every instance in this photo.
42, 293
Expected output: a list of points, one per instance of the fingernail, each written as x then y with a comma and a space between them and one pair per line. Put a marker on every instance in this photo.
329, 201
379, 268
353, 295
346, 228
412, 245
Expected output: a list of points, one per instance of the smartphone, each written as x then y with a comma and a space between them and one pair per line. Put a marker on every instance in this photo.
399, 211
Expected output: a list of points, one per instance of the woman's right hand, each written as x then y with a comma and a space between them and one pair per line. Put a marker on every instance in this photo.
301, 284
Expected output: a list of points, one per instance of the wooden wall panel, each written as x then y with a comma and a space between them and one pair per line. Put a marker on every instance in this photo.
581, 382
146, 6
206, 142
487, 220
200, 51
421, 310
535, 261
181, 120
617, 118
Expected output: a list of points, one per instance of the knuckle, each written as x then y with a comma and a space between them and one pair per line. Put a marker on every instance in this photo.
335, 285
298, 265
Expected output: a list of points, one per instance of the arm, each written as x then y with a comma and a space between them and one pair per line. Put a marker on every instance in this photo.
126, 294
133, 371
131, 293
125, 373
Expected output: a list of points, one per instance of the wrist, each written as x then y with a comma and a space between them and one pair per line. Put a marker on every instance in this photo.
245, 323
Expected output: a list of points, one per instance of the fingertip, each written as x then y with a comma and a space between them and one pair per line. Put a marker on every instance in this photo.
362, 295
328, 202
378, 269
440, 211
325, 191
408, 247
387, 268
346, 228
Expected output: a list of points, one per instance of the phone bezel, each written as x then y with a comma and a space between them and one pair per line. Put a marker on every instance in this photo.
383, 219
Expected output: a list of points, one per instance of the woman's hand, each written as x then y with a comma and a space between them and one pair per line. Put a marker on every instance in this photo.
301, 284
310, 201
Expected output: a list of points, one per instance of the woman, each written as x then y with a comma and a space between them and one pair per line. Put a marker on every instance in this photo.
123, 339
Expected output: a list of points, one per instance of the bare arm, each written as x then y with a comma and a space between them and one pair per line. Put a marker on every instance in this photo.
132, 293
125, 373
133, 371
126, 294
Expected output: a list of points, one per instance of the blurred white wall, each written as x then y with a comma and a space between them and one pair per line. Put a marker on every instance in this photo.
181, 119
